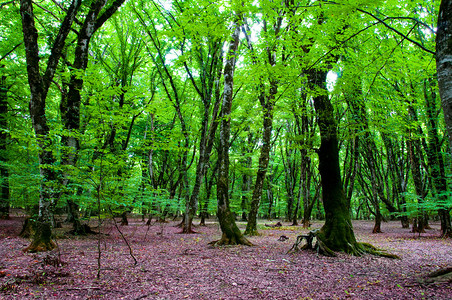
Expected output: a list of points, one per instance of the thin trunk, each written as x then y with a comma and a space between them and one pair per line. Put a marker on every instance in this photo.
246, 177
398, 167
266, 100
4, 180
414, 150
210, 87
270, 196
231, 233
71, 100
290, 179
251, 227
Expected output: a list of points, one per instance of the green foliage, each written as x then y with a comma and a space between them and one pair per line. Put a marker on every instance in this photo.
148, 61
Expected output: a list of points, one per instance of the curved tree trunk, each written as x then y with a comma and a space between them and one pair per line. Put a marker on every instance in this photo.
337, 232
231, 233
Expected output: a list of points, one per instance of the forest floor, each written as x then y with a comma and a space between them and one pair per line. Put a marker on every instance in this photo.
171, 265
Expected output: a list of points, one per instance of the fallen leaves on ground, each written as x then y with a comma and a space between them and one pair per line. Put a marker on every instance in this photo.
183, 266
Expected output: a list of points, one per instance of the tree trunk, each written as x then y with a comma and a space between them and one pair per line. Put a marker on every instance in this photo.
251, 227
444, 75
4, 180
414, 150
71, 100
290, 180
206, 92
398, 169
436, 162
39, 86
443, 62
337, 232
231, 233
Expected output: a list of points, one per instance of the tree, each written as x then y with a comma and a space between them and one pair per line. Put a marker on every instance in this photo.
444, 75
443, 58
267, 101
39, 87
231, 233
4, 173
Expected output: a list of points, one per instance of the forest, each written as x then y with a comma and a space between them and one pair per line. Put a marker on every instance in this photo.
229, 123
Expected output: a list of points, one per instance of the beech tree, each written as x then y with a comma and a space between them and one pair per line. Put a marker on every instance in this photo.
39, 88
4, 172
231, 233
444, 75
329, 108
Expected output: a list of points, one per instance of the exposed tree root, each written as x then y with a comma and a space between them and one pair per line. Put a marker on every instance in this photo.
320, 247
440, 276
82, 229
252, 233
370, 249
274, 225
234, 240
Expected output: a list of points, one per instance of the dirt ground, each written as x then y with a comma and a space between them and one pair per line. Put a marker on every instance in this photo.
170, 265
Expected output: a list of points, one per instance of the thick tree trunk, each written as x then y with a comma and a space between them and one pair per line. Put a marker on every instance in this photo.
444, 75
443, 62
435, 159
4, 180
231, 233
337, 232
39, 86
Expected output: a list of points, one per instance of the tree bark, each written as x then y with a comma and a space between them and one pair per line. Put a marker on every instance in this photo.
231, 233
444, 62
39, 86
251, 227
207, 131
4, 180
444, 75
436, 162
337, 232
71, 100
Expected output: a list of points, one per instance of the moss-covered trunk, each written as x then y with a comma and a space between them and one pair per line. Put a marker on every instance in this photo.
337, 232
42, 237
231, 233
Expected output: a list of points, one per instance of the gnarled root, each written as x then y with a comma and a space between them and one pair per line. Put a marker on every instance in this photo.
234, 240
370, 249
356, 249
440, 276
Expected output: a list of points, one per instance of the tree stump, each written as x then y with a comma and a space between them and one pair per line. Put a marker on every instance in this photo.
319, 246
